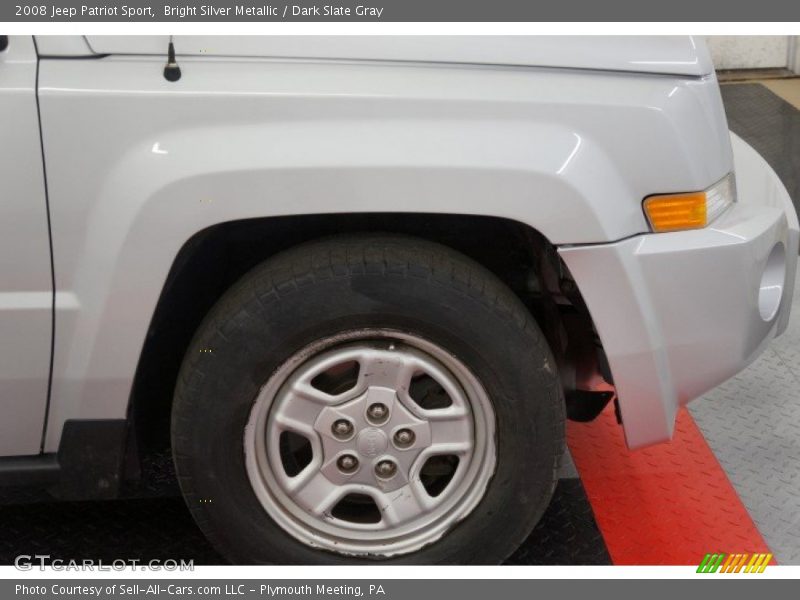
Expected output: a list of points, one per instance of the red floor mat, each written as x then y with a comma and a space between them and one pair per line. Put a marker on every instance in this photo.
665, 505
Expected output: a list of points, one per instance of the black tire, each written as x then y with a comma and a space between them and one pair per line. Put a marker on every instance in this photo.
387, 281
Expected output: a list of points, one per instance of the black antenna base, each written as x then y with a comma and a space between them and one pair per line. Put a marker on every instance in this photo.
172, 72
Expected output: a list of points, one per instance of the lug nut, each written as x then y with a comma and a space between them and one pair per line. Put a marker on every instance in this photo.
385, 469
404, 438
347, 463
342, 429
377, 412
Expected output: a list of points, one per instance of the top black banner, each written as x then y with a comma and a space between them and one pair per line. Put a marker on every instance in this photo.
151, 11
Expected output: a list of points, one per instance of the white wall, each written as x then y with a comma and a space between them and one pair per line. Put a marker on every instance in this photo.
794, 54
751, 51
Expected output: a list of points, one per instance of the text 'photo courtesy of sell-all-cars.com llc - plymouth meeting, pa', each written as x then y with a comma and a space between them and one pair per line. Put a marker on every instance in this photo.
358, 285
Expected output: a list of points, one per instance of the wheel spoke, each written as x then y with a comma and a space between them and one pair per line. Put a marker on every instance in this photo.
385, 368
300, 409
452, 435
305, 391
315, 493
402, 505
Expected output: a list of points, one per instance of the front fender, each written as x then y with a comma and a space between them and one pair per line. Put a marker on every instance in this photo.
137, 165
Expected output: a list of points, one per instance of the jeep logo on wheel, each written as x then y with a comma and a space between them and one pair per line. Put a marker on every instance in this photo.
371, 442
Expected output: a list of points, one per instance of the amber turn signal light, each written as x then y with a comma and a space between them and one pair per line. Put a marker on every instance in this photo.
676, 212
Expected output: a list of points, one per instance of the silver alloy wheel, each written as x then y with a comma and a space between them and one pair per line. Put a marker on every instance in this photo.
400, 492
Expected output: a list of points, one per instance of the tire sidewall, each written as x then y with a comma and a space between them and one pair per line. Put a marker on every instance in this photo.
247, 339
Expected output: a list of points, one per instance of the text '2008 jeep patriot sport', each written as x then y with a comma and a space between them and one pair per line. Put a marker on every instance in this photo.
357, 285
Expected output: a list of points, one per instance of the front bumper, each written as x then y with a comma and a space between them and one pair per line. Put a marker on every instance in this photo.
679, 313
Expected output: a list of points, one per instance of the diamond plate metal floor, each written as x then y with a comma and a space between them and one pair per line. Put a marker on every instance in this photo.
770, 125
160, 528
668, 504
752, 423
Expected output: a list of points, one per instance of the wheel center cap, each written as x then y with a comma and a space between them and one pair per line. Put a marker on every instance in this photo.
371, 442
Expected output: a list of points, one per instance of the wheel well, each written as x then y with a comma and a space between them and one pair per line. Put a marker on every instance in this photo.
216, 257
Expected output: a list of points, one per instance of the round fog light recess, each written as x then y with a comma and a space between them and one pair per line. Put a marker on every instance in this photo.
772, 282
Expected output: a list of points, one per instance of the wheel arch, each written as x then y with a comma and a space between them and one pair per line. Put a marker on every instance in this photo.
214, 258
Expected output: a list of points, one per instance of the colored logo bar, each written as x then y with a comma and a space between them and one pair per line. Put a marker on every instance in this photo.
734, 563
